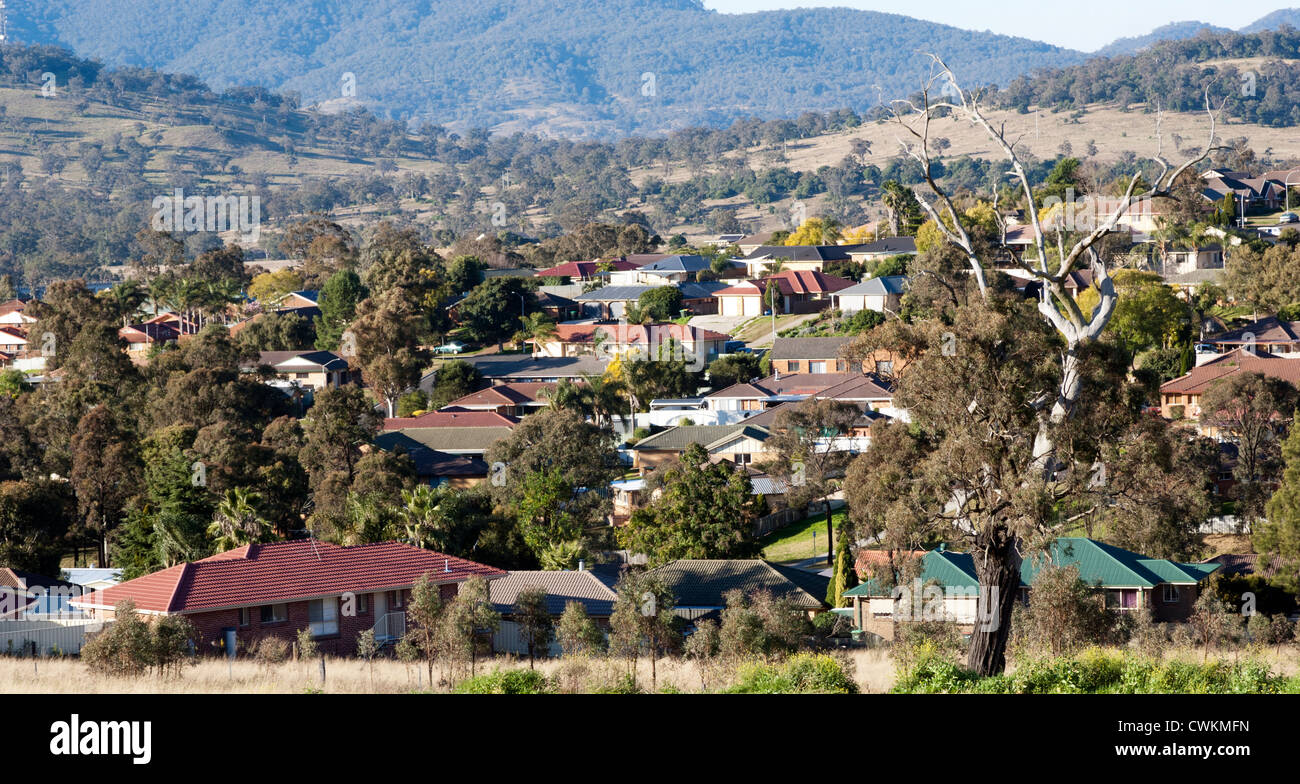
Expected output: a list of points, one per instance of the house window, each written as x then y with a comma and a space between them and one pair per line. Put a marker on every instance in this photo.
324, 616
816, 367
1122, 600
885, 367
275, 613
245, 617
363, 603
793, 366
841, 366
394, 598
1170, 594
742, 459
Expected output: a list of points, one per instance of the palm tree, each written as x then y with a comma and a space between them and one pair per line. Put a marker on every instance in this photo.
419, 516
536, 327
237, 521
126, 298
606, 396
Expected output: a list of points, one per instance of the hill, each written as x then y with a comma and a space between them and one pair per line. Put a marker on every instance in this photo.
1175, 31
571, 67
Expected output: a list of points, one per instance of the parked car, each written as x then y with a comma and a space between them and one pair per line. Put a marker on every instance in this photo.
450, 348
1288, 217
1205, 348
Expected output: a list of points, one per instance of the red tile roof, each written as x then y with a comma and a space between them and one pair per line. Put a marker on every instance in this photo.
1235, 361
504, 395
584, 269
790, 282
452, 419
809, 282
283, 572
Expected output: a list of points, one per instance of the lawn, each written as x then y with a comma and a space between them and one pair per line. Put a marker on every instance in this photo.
795, 542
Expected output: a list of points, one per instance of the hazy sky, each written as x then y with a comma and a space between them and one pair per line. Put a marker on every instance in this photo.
1085, 25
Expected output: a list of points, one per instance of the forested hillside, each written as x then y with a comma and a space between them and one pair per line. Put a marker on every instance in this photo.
578, 67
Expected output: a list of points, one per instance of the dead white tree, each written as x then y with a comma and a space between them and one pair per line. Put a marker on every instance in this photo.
1061, 250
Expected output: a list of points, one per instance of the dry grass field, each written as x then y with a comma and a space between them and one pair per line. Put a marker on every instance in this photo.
873, 669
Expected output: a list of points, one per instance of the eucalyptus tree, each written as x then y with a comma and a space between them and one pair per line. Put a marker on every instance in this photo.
1008, 410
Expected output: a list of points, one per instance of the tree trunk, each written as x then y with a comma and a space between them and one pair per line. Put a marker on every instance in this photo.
997, 566
830, 534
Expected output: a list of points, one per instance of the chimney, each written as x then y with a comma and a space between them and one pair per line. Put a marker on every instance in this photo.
582, 566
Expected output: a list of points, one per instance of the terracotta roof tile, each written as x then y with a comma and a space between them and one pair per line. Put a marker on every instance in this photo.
283, 572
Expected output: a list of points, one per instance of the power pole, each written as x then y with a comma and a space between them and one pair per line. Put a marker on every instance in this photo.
4, 23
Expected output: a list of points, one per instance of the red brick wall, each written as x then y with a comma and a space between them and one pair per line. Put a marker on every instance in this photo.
210, 624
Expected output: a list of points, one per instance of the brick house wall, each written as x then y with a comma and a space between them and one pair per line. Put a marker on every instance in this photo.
210, 626
1178, 611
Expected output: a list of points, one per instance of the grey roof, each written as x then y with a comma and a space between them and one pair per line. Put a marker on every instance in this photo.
432, 463
679, 263
442, 439
691, 290
615, 294
520, 367
326, 360
561, 588
897, 245
703, 583
808, 348
877, 287
800, 252
764, 484
680, 437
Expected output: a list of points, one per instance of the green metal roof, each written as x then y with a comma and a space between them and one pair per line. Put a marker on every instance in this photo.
1098, 564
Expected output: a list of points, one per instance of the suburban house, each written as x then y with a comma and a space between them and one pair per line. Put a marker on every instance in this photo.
1269, 335
701, 299
558, 308
14, 313
316, 370
610, 303
800, 291
277, 590
947, 588
883, 295
1258, 193
585, 271
512, 400
629, 494
454, 419
1181, 397
666, 271
1182, 260
700, 586
27, 595
435, 467
781, 388
13, 339
741, 444
92, 578
882, 249
562, 589
302, 303
500, 369
611, 340
296, 300
141, 337
792, 257
809, 355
